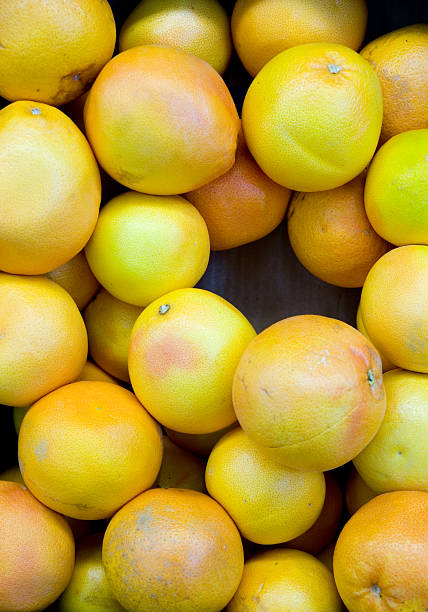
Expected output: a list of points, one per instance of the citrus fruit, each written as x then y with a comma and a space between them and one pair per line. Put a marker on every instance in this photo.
309, 390
312, 116
386, 364
75, 276
19, 413
397, 457
396, 191
43, 341
264, 28
173, 549
12, 474
90, 371
400, 60
199, 444
184, 349
357, 492
200, 27
322, 532
178, 140
50, 188
52, 52
78, 528
180, 469
109, 322
331, 236
242, 205
381, 557
88, 589
104, 450
145, 246
36, 551
282, 579
398, 323
326, 556
269, 503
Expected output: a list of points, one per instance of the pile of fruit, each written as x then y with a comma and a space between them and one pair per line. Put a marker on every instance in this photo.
170, 457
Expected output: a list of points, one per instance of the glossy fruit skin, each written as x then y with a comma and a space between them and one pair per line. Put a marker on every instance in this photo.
75, 276
284, 579
84, 35
180, 469
50, 188
263, 29
312, 116
386, 364
199, 444
331, 235
37, 551
397, 457
400, 59
309, 390
173, 549
44, 343
269, 503
77, 466
178, 141
357, 492
381, 555
242, 205
91, 371
396, 190
145, 246
398, 324
190, 25
109, 323
184, 349
324, 530
88, 589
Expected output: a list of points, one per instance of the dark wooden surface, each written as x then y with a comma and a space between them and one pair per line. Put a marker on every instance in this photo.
264, 279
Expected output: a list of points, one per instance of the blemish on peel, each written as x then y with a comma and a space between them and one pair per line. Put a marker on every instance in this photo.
76, 77
41, 450
36, 111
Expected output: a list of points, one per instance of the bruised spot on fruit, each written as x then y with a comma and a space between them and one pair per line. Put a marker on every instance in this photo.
171, 352
41, 450
144, 519
77, 82
416, 343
